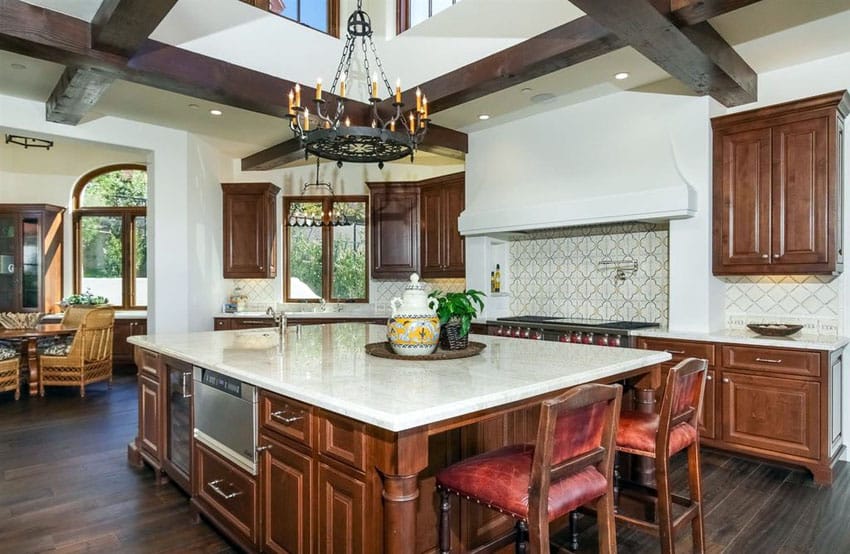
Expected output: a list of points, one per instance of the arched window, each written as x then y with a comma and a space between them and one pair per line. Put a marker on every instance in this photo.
110, 234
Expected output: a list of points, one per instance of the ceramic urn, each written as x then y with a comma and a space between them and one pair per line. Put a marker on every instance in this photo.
414, 328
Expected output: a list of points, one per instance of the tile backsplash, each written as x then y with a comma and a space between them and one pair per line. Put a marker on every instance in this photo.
563, 272
812, 301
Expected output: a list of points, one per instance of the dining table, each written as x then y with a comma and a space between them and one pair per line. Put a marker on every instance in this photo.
29, 349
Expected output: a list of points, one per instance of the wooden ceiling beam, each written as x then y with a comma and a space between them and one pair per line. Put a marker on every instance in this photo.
697, 56
76, 92
121, 26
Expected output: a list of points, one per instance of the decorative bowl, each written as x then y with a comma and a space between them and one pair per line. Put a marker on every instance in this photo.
774, 329
12, 320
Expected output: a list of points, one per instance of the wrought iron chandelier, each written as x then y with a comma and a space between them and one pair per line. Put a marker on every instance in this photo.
332, 135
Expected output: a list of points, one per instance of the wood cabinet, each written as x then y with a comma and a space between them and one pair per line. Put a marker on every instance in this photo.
30, 258
237, 323
781, 404
394, 230
442, 200
227, 495
122, 351
286, 481
777, 175
249, 230
414, 228
148, 445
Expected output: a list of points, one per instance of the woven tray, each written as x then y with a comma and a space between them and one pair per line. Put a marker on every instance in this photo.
383, 350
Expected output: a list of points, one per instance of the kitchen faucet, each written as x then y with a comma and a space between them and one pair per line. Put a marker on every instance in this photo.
280, 322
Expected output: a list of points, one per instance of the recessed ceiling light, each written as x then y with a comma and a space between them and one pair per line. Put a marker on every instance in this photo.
542, 97
484, 117
194, 106
215, 112
18, 66
621, 75
526, 90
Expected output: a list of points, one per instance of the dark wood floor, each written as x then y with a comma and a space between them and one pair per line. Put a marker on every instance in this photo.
65, 486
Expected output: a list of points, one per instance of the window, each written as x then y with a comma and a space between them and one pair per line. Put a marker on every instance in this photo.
110, 235
322, 15
414, 12
326, 261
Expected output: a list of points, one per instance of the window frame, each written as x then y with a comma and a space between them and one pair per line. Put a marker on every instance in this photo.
128, 215
402, 22
327, 248
333, 15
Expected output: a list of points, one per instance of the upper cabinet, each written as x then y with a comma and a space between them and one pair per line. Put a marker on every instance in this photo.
30, 257
394, 220
442, 200
414, 228
777, 188
250, 230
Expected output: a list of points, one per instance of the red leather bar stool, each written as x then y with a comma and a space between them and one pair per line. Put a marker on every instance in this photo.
570, 464
660, 436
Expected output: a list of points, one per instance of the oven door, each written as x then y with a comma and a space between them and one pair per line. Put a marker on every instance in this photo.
227, 423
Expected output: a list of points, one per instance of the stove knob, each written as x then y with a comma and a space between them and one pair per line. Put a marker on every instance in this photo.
575, 337
518, 332
538, 334
587, 338
564, 338
602, 340
526, 333
614, 340
498, 331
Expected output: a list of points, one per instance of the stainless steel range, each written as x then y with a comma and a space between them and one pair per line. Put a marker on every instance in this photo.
568, 329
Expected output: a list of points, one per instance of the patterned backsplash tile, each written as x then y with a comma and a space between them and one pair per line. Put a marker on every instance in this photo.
813, 301
563, 272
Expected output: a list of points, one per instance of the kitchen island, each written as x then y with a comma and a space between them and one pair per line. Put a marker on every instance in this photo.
365, 435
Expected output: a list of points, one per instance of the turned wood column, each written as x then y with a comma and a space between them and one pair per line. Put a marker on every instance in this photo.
405, 456
32, 365
643, 468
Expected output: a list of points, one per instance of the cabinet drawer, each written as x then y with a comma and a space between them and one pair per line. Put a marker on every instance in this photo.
343, 439
148, 363
221, 324
286, 417
680, 349
227, 490
793, 362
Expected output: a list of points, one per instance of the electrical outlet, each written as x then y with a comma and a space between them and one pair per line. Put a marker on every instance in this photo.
828, 327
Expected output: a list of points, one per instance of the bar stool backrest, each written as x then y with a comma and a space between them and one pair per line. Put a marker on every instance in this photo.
682, 402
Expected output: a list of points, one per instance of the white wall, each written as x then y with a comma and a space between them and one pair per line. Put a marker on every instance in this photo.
168, 173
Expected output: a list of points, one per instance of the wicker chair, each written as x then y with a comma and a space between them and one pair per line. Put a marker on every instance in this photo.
89, 358
10, 369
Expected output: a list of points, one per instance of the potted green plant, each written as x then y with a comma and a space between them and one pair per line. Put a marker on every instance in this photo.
87, 299
456, 311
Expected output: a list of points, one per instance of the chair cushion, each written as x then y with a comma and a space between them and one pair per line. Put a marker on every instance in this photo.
8, 353
637, 431
500, 479
58, 348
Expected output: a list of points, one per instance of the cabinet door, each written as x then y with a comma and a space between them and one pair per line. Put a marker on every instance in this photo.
179, 423
285, 476
395, 231
742, 198
342, 513
769, 413
9, 264
454, 254
801, 192
244, 235
149, 417
432, 227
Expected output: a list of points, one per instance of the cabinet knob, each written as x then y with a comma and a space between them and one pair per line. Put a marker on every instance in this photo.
708, 378
264, 448
765, 256
776, 256
262, 268
725, 379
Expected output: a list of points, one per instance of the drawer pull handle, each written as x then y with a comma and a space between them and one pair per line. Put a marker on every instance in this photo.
674, 351
214, 485
286, 420
185, 385
769, 361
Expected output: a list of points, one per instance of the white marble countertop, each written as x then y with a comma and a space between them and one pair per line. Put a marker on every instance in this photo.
119, 314
745, 336
370, 314
326, 366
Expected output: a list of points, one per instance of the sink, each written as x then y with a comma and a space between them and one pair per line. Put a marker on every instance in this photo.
256, 339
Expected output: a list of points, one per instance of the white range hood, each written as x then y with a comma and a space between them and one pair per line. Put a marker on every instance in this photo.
659, 204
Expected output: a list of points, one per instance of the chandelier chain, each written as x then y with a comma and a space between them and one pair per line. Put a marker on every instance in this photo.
344, 62
381, 67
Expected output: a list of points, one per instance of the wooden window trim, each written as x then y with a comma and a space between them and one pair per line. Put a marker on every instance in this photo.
403, 14
127, 215
333, 15
327, 252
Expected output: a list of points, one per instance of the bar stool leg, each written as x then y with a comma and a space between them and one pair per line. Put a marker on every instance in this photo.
606, 524
521, 537
665, 504
695, 485
574, 531
445, 523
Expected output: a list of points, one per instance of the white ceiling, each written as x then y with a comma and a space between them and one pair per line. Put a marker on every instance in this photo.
768, 35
